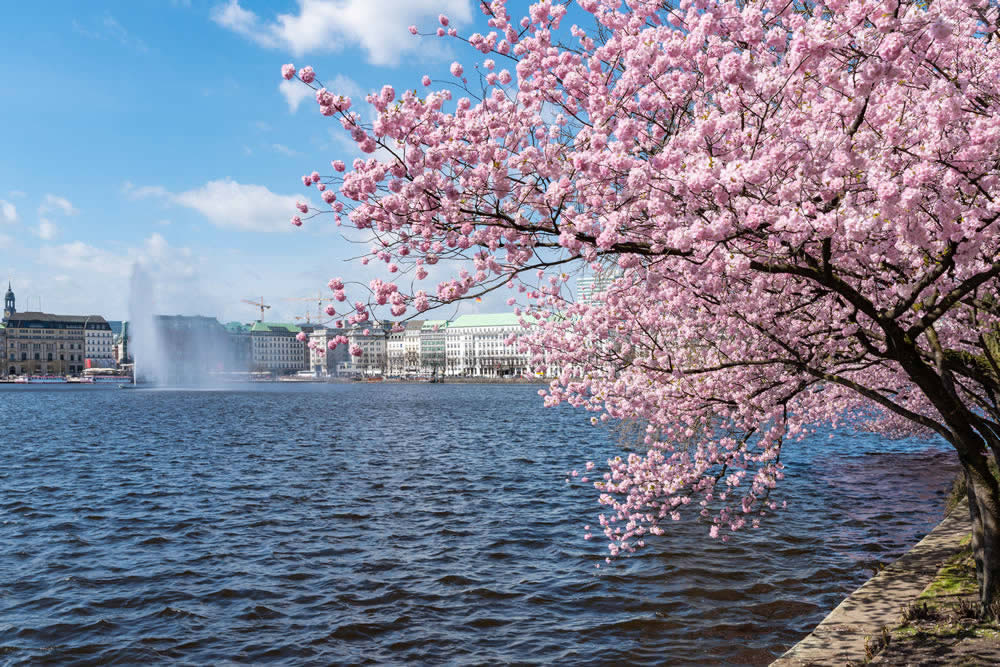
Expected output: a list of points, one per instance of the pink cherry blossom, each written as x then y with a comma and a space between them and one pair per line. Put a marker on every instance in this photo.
288, 71
793, 217
307, 74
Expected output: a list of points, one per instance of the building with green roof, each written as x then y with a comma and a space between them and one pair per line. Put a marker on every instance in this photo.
480, 345
275, 348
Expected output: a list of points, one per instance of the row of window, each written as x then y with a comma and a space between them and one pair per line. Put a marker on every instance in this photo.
49, 355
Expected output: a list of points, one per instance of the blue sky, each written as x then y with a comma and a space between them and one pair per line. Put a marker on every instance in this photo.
158, 131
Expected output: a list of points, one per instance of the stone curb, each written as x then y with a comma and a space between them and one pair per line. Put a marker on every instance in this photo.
840, 638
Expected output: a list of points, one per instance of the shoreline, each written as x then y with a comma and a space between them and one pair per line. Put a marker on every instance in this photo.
841, 637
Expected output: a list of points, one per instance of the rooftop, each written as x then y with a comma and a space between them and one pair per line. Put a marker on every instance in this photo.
486, 320
274, 327
35, 316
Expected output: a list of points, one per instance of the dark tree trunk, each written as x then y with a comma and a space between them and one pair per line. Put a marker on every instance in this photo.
984, 513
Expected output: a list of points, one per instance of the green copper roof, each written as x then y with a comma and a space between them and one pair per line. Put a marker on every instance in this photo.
486, 320
237, 327
274, 327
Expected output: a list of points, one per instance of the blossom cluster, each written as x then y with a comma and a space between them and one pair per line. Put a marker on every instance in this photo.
785, 195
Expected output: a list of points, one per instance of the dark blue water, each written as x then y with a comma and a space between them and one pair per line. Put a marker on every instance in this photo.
320, 524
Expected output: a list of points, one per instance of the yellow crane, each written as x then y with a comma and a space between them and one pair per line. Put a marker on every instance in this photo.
260, 304
319, 300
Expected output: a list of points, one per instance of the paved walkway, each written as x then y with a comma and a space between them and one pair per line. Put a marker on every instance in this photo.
840, 638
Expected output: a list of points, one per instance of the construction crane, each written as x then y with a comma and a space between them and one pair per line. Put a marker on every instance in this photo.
259, 304
319, 300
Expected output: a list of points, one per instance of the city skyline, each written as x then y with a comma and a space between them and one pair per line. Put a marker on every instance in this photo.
126, 146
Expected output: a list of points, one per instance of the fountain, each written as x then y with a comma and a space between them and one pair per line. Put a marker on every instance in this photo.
177, 350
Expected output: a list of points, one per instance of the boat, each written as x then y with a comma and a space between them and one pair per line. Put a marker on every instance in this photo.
44, 379
112, 379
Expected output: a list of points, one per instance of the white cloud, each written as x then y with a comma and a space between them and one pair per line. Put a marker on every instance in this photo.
285, 150
8, 212
55, 203
141, 192
83, 257
377, 26
6, 241
109, 27
47, 229
155, 252
294, 92
227, 203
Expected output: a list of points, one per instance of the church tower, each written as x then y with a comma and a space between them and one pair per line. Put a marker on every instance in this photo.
8, 303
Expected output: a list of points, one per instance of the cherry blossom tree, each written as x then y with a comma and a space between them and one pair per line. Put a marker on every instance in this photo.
798, 203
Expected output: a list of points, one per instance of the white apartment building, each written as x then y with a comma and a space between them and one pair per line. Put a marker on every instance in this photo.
99, 343
475, 345
274, 348
322, 360
395, 353
372, 338
412, 348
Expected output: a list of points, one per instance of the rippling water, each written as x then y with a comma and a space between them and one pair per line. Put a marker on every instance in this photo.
399, 524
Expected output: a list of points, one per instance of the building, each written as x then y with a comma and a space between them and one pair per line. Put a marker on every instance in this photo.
99, 343
395, 352
239, 340
412, 347
588, 288
275, 349
371, 338
121, 349
322, 360
433, 343
8, 303
476, 345
46, 344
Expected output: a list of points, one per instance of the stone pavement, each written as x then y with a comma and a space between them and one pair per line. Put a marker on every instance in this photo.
840, 638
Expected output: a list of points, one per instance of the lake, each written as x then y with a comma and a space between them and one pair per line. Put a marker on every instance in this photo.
402, 523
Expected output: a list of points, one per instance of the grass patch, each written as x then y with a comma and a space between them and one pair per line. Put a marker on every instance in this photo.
957, 578
945, 620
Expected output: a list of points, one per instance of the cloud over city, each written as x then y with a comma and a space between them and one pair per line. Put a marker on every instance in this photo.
228, 204
380, 29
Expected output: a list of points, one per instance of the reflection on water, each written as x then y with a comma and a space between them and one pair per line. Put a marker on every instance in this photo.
401, 523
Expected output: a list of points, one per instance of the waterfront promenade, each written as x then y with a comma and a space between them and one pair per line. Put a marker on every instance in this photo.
844, 635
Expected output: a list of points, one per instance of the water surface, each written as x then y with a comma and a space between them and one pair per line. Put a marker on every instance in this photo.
319, 524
